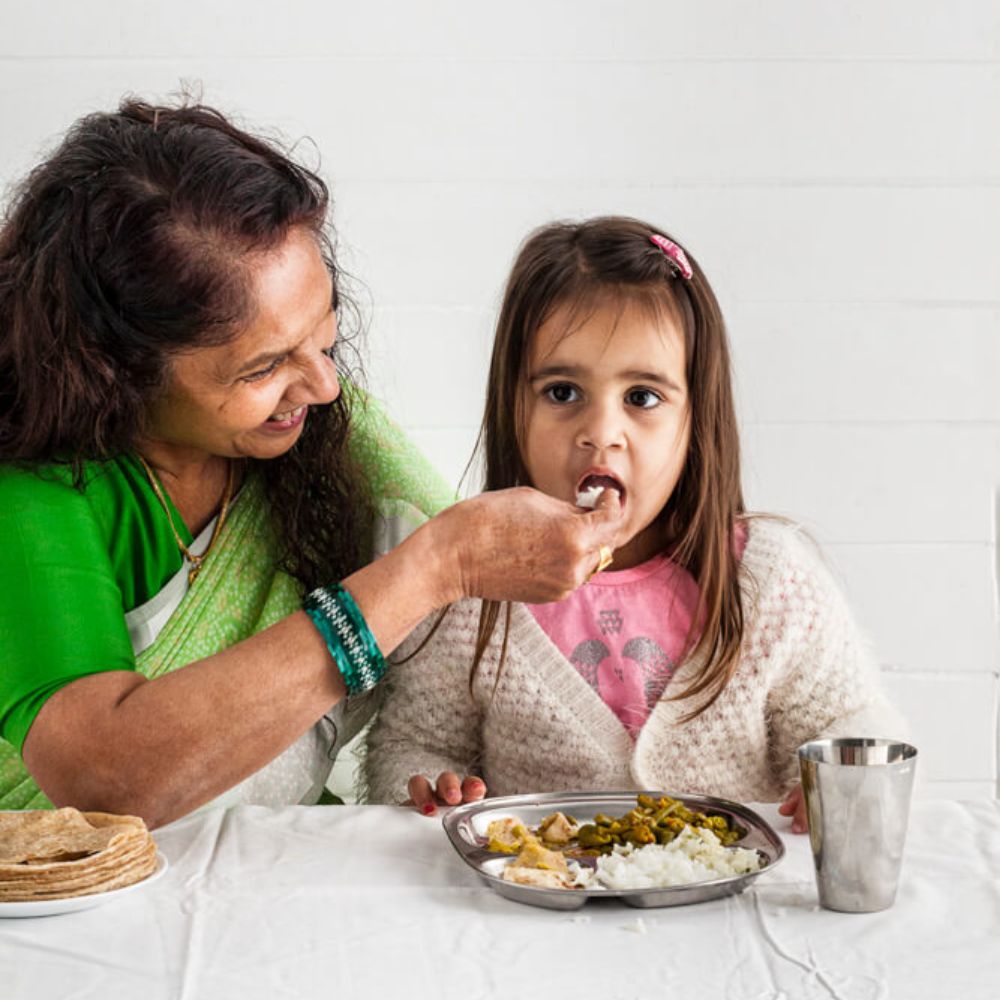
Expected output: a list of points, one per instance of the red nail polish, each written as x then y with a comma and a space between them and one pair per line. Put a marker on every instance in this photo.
428, 809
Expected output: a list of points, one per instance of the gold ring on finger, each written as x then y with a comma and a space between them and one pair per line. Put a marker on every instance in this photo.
605, 559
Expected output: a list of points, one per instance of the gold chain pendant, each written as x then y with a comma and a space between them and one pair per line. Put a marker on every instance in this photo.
195, 561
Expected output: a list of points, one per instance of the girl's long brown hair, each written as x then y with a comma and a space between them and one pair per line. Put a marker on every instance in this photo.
575, 266
131, 243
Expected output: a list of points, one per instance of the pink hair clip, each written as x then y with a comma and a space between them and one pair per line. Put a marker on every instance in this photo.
675, 253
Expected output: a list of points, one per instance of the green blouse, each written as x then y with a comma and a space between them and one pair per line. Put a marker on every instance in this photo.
72, 564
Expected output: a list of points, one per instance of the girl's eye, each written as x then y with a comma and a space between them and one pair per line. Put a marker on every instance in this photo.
645, 399
263, 373
561, 392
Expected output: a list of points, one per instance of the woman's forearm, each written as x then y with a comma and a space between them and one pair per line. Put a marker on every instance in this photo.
160, 748
397, 591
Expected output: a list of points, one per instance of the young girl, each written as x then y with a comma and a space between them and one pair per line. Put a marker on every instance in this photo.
713, 645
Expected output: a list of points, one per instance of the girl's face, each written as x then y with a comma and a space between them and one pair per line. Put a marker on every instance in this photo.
250, 396
607, 404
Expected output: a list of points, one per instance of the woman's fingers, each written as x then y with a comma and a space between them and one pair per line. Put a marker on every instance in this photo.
606, 513
604, 525
522, 545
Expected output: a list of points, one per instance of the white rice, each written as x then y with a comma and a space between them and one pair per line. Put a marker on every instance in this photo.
695, 855
588, 498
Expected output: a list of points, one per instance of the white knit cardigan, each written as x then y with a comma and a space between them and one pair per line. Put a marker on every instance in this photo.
804, 671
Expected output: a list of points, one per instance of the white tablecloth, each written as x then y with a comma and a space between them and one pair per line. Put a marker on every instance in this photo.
370, 902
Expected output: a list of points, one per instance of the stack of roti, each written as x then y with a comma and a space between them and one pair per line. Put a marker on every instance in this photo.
56, 853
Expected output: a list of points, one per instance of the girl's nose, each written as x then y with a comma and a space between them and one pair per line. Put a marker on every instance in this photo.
601, 429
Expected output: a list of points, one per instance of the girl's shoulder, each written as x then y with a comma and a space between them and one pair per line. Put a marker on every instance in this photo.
772, 537
782, 556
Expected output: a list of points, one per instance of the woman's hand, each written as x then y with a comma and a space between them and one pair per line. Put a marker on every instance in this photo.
522, 545
448, 791
795, 806
508, 545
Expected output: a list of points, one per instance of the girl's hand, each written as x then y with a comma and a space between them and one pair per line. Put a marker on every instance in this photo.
449, 791
795, 806
523, 545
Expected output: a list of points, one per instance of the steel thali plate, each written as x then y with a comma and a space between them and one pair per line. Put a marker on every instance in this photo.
466, 829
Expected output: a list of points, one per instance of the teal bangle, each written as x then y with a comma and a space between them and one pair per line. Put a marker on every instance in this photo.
347, 636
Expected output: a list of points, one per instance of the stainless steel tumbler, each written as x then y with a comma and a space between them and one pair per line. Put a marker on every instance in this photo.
857, 794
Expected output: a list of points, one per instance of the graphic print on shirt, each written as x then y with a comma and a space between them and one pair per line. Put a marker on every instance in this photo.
657, 667
630, 673
610, 622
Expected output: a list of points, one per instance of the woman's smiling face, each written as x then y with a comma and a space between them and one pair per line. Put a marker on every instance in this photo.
250, 396
607, 404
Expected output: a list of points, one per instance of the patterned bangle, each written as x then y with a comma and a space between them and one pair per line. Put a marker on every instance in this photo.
347, 636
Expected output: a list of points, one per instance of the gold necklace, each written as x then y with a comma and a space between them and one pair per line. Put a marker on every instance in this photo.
195, 561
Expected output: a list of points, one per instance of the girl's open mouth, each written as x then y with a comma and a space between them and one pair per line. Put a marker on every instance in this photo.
594, 482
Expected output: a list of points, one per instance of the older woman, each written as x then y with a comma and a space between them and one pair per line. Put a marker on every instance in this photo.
186, 482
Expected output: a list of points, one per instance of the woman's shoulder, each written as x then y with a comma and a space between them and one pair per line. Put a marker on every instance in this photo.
107, 516
61, 480
46, 489
25, 482
42, 496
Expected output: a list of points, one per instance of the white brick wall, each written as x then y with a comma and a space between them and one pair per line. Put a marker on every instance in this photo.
836, 169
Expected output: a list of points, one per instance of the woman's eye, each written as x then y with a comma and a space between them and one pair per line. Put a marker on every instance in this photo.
645, 399
263, 373
561, 392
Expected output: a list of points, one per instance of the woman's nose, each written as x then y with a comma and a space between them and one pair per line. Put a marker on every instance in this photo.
321, 382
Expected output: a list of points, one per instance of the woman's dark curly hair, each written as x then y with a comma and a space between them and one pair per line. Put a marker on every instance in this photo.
129, 244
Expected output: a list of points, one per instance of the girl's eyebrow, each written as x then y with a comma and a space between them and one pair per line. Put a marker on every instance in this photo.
630, 375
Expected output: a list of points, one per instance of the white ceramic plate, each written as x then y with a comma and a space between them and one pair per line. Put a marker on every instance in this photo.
71, 904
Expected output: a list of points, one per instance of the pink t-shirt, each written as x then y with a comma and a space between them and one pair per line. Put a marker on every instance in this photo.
625, 633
